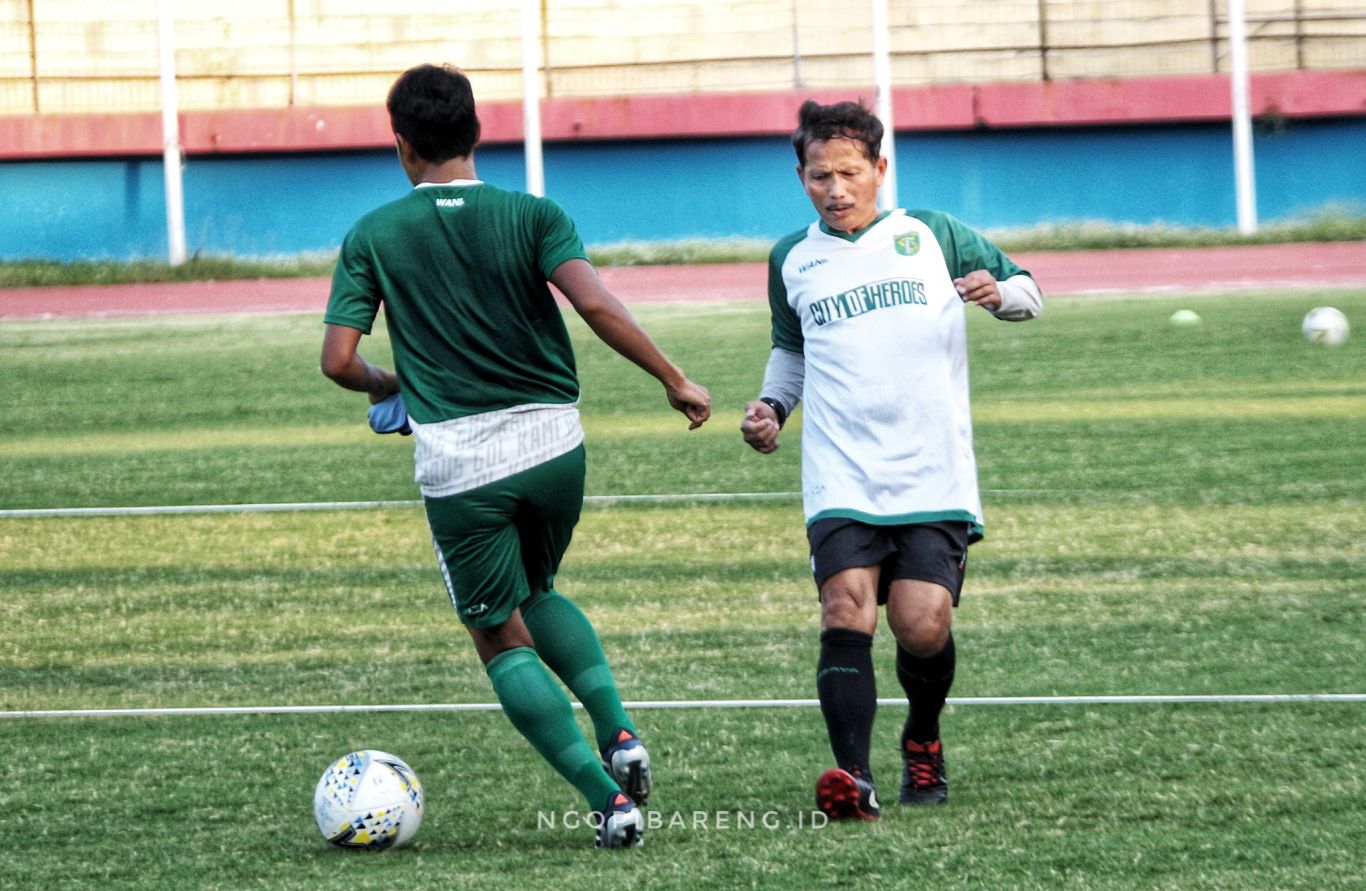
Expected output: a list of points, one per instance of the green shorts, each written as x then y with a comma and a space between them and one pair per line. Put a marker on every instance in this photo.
501, 542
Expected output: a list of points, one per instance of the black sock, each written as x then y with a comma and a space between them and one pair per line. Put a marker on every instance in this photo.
927, 683
848, 696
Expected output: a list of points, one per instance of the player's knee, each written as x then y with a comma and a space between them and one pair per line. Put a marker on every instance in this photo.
836, 607
495, 639
920, 632
922, 639
841, 608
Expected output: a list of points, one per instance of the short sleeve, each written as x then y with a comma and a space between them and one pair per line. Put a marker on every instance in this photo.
558, 238
354, 300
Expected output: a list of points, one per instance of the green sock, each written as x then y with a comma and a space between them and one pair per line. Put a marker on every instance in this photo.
539, 709
565, 639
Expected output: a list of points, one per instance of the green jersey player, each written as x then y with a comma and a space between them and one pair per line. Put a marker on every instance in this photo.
485, 368
869, 333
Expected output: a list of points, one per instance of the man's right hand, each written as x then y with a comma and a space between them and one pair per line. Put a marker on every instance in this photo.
691, 399
760, 427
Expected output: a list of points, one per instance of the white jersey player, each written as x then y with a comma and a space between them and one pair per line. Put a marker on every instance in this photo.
869, 333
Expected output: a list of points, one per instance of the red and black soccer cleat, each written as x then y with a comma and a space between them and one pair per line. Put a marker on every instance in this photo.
842, 795
924, 780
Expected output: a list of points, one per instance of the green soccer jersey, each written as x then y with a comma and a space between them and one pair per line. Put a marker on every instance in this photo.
461, 270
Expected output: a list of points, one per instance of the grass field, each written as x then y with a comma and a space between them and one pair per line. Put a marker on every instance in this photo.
1169, 511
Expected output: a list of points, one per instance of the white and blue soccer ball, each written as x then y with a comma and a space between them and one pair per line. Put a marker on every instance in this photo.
1326, 325
368, 799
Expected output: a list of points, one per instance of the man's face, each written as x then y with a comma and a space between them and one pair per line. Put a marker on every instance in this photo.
842, 183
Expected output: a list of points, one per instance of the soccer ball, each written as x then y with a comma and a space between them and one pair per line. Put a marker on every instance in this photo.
368, 799
1325, 325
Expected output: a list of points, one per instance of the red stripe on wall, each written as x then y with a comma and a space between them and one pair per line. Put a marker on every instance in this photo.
1173, 99
950, 107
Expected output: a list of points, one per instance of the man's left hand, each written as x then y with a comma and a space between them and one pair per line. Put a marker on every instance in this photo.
979, 287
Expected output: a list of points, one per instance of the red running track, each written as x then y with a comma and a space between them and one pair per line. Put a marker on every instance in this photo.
1334, 265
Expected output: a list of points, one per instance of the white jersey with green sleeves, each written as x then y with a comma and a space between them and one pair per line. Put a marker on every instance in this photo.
886, 423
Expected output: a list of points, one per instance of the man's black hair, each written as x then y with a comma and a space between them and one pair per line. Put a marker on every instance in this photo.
842, 120
432, 107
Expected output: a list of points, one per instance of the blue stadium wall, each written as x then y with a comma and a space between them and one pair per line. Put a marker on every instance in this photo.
282, 204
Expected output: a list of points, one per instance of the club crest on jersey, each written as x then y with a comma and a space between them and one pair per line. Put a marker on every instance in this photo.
908, 244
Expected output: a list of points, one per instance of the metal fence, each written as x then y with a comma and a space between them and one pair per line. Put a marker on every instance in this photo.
81, 56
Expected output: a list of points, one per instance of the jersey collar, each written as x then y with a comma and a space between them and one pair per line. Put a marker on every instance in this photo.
854, 236
454, 182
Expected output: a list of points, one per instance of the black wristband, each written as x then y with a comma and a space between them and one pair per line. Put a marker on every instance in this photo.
777, 409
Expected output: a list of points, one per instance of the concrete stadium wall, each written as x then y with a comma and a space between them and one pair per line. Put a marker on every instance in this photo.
61, 57
264, 205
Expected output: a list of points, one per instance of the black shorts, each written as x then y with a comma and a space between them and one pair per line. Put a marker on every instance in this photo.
928, 552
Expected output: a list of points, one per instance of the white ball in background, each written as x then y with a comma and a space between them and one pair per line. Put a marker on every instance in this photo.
1326, 325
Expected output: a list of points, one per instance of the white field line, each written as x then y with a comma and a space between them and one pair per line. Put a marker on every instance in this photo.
357, 505
590, 500
160, 510
685, 704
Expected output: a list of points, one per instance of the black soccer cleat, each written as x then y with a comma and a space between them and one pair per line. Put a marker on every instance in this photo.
620, 824
842, 795
924, 780
627, 762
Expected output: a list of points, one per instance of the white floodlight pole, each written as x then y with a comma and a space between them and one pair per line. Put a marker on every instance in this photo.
1244, 178
531, 96
170, 138
882, 73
